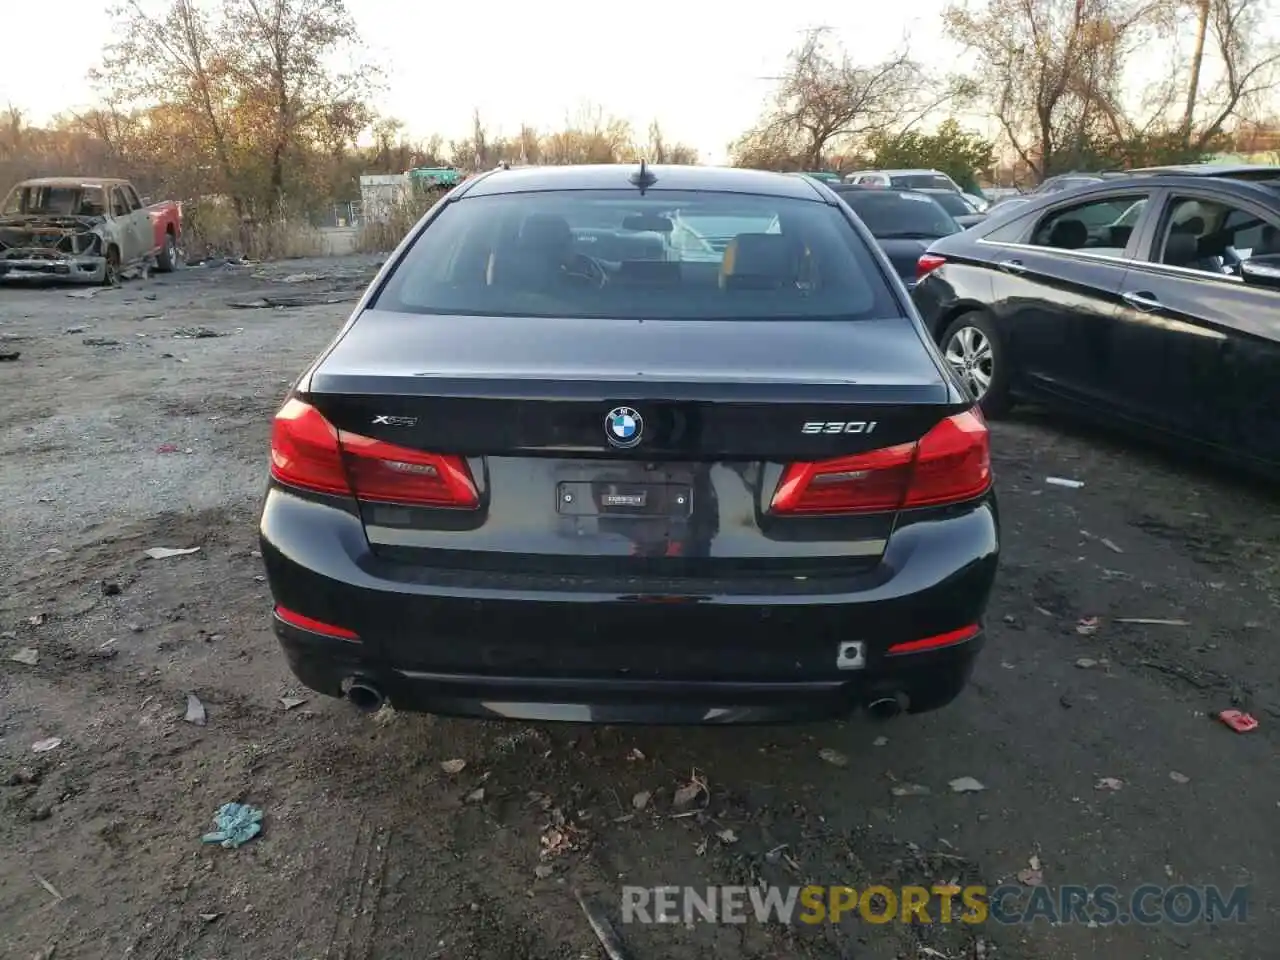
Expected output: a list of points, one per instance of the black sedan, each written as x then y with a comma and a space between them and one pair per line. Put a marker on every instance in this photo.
707, 468
903, 222
1151, 300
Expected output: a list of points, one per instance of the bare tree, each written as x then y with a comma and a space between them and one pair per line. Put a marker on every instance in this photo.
825, 99
1250, 63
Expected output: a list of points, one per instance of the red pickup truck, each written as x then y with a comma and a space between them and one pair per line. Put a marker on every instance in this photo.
87, 229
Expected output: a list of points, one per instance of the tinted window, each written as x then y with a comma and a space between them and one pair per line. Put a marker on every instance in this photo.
1214, 237
665, 255
1095, 226
890, 214
921, 181
953, 203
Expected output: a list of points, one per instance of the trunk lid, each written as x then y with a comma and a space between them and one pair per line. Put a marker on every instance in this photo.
721, 407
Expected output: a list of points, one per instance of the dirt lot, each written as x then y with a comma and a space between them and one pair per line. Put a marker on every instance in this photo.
117, 434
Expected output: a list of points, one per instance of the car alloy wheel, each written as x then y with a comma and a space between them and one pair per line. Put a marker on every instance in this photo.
970, 355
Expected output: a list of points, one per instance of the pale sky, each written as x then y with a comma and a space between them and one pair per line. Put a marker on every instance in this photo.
699, 66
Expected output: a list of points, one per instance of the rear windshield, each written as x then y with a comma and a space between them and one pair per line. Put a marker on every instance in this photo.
921, 181
665, 255
56, 201
952, 202
889, 214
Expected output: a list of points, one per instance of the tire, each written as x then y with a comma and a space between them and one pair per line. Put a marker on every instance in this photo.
111, 275
972, 348
167, 258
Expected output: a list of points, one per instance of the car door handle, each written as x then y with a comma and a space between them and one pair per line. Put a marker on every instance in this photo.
1143, 301
1012, 266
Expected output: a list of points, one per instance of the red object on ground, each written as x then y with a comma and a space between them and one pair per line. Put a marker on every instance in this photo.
1238, 720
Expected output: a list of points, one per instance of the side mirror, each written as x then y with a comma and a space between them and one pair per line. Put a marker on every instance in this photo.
1262, 271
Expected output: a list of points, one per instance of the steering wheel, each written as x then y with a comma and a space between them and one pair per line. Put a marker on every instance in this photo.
587, 269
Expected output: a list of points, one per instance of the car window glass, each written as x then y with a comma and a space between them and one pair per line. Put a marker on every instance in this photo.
664, 255
132, 196
1011, 232
890, 214
1094, 226
1211, 236
921, 181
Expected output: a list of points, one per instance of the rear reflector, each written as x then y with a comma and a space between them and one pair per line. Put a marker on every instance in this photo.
949, 464
295, 619
928, 263
309, 453
948, 639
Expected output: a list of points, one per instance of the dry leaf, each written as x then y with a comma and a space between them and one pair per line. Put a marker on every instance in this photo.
453, 766
1109, 783
641, 799
966, 785
833, 757
476, 795
910, 790
727, 835
1177, 777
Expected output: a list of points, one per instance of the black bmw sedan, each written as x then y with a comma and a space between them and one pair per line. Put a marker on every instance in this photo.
1150, 301
632, 444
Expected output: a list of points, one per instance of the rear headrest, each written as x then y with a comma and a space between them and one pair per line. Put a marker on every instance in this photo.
1069, 235
1180, 249
1192, 225
543, 229
760, 260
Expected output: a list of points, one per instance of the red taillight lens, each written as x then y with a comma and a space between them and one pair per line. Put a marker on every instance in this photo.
295, 619
928, 263
951, 463
310, 453
305, 451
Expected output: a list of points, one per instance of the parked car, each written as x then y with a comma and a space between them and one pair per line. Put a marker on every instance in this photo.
903, 179
965, 213
1151, 300
85, 229
903, 222
526, 481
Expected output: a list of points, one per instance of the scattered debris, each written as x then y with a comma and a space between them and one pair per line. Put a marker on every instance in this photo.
386, 714
1087, 626
1238, 720
1086, 663
879, 741
209, 917
687, 794
74, 330
1177, 777
301, 278
164, 553
1108, 783
49, 887
453, 766
195, 711
910, 790
603, 930
966, 785
195, 333
100, 342
727, 835
27, 655
1064, 482
1110, 545
475, 796
1033, 875
641, 799
237, 824
22, 777
543, 870
167, 448
287, 702
833, 757
1153, 622
110, 588
37, 619
44, 746
10, 355
634, 754
90, 292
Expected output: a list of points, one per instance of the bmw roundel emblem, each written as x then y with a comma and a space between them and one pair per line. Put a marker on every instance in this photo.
624, 427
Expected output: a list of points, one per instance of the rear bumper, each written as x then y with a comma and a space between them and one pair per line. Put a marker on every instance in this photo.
545, 648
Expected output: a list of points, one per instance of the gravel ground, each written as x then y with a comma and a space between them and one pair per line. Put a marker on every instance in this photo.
1094, 743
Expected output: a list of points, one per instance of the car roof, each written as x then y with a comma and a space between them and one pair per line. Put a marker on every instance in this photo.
616, 176
1227, 170
72, 182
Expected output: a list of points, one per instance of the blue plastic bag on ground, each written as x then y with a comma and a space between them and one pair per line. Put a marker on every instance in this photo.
237, 823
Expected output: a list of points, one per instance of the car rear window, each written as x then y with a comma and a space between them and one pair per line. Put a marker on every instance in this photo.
952, 202
890, 214
921, 181
663, 255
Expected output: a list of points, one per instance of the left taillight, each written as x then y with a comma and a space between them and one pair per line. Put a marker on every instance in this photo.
928, 263
949, 464
310, 453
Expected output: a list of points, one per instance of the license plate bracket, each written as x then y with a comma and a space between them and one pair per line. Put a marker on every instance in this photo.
599, 498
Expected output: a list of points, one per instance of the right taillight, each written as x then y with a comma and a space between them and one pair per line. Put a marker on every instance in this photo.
309, 453
928, 263
949, 464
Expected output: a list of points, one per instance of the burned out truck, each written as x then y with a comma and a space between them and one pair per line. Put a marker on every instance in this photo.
84, 229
